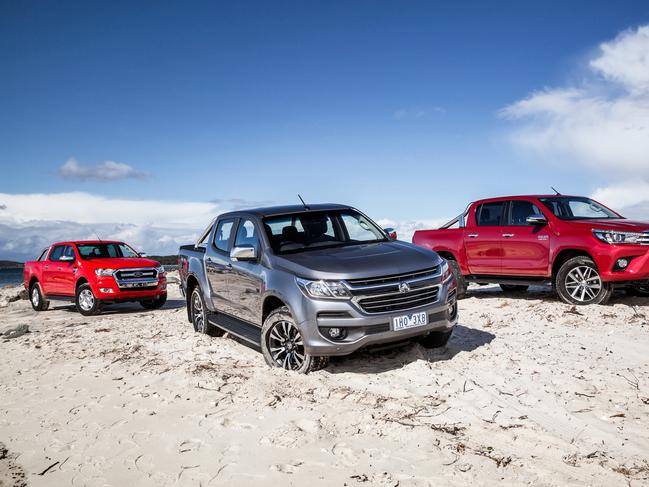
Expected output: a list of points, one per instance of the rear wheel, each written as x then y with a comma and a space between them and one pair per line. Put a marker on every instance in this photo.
39, 303
514, 288
199, 314
283, 346
435, 339
156, 303
87, 303
579, 282
462, 285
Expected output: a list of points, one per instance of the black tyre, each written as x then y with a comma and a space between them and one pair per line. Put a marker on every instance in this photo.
39, 303
578, 282
87, 303
283, 346
462, 285
199, 315
154, 303
514, 288
435, 339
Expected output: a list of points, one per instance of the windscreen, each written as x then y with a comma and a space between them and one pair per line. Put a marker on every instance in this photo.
305, 231
105, 251
577, 208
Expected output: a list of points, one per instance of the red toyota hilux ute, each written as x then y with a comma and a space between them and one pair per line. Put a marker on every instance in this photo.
92, 274
579, 246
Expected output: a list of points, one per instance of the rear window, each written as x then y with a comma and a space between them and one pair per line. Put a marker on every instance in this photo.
490, 214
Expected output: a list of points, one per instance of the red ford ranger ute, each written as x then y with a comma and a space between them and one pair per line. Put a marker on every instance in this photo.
579, 246
92, 274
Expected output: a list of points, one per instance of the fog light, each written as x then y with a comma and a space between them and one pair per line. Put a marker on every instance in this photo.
622, 263
106, 290
335, 333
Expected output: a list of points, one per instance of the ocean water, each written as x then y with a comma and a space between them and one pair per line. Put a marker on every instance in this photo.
11, 276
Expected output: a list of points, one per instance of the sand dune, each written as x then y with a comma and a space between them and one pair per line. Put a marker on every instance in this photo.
528, 391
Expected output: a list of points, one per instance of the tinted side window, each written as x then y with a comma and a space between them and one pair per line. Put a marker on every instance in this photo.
57, 252
246, 235
223, 234
69, 252
520, 210
490, 214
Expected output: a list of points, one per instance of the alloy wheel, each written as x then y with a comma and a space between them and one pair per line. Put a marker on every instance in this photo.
286, 345
86, 300
583, 283
36, 298
198, 316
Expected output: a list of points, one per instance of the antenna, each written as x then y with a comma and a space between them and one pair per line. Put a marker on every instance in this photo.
95, 232
306, 207
553, 189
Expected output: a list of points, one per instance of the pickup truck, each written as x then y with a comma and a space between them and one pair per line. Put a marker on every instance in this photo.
579, 246
92, 274
303, 283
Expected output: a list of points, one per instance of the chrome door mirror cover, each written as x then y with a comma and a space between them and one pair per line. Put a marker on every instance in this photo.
243, 253
66, 258
537, 219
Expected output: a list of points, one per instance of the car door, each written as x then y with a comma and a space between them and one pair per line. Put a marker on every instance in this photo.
217, 264
67, 271
483, 238
245, 280
50, 275
526, 247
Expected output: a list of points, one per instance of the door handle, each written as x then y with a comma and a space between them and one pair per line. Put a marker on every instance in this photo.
508, 235
472, 235
46, 267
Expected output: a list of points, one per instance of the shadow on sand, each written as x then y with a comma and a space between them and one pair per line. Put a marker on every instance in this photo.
374, 361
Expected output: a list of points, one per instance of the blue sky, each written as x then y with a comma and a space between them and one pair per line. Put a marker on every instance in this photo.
394, 107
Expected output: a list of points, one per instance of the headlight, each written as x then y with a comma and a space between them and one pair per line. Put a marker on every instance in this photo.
614, 237
324, 289
104, 272
446, 270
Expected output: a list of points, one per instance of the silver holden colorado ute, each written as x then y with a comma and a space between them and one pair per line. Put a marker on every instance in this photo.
307, 282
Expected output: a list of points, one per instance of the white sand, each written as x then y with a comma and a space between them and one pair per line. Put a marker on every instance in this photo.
528, 391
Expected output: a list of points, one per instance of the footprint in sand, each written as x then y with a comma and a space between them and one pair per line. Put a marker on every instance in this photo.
289, 468
345, 454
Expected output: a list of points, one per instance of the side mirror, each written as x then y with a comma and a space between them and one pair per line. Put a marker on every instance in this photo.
537, 219
66, 258
143, 254
244, 253
392, 233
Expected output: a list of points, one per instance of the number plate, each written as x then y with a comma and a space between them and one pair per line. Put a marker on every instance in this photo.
409, 321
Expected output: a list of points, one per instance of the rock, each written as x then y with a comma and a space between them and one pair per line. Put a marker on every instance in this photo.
13, 331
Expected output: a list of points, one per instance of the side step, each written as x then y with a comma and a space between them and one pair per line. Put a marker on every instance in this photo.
245, 331
520, 281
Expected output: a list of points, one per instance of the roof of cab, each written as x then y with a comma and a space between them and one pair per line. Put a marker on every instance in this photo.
286, 209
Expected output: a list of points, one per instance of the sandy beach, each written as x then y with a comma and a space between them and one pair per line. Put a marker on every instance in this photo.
528, 391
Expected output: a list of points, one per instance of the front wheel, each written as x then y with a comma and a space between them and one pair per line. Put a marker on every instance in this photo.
39, 303
87, 303
578, 282
283, 346
156, 303
462, 284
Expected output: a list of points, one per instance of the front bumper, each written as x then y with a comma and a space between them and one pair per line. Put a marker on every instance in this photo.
103, 284
606, 256
362, 329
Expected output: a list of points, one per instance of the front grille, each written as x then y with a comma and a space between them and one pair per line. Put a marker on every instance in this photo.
140, 279
399, 301
395, 278
644, 239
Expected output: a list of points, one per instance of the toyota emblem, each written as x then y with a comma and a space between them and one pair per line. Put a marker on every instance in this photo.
404, 287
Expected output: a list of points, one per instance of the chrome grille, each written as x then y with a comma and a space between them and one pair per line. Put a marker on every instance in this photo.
644, 239
395, 278
136, 278
399, 301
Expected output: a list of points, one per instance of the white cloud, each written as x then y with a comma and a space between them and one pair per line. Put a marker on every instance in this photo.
104, 171
603, 123
404, 113
630, 198
31, 222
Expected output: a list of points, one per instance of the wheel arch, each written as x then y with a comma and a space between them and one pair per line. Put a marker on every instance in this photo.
565, 255
192, 283
271, 303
